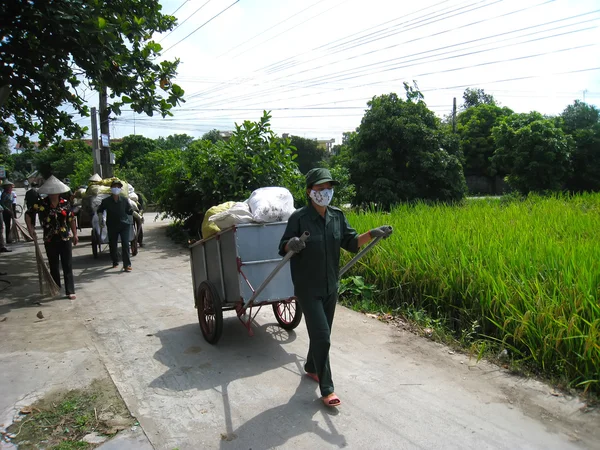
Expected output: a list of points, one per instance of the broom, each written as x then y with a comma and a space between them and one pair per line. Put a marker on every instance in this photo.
18, 233
45, 280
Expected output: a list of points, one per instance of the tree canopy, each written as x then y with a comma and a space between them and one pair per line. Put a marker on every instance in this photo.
309, 155
400, 152
476, 97
49, 48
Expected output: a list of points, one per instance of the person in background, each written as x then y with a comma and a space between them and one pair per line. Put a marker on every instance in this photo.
31, 198
118, 209
26, 184
3, 247
315, 269
60, 232
8, 200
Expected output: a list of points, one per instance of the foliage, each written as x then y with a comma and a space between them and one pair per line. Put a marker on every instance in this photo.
50, 48
358, 295
400, 153
474, 129
174, 141
585, 159
309, 154
522, 275
208, 174
578, 116
476, 97
61, 159
533, 151
131, 148
213, 136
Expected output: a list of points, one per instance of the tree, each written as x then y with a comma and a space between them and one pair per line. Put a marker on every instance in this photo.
309, 155
49, 48
578, 116
400, 153
208, 174
585, 159
132, 147
61, 159
180, 141
213, 136
475, 97
533, 151
474, 128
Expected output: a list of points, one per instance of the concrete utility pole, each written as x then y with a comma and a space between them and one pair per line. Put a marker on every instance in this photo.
107, 170
95, 149
454, 115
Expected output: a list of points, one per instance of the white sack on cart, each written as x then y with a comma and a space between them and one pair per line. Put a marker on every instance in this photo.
102, 232
271, 204
238, 213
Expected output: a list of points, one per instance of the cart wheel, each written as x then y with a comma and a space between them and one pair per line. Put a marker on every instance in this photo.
288, 313
210, 312
95, 243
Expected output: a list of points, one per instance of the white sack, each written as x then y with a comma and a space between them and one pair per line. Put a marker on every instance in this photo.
271, 204
238, 213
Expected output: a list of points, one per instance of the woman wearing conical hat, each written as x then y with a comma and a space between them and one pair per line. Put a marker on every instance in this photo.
60, 230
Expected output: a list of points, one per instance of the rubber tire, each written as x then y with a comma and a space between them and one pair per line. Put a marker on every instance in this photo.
95, 244
294, 322
209, 295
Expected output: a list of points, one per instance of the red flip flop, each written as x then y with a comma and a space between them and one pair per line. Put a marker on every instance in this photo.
332, 400
313, 376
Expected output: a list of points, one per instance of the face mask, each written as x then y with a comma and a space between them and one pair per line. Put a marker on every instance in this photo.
322, 198
115, 191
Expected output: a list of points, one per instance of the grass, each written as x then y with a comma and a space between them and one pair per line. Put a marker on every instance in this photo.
60, 420
520, 275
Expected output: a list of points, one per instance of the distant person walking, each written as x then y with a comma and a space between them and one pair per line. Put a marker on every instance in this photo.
118, 209
32, 196
8, 200
60, 231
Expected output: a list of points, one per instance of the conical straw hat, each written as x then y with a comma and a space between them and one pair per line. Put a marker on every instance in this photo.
7, 183
53, 186
95, 177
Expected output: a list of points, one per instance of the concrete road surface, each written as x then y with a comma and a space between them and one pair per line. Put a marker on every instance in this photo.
399, 391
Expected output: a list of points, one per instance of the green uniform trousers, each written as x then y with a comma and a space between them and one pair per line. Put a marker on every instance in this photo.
318, 315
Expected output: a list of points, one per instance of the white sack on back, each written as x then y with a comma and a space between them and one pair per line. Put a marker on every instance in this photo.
271, 204
238, 213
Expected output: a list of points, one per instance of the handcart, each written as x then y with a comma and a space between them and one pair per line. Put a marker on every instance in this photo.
239, 269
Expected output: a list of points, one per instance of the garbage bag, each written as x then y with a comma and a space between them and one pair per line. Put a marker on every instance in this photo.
210, 228
238, 213
271, 204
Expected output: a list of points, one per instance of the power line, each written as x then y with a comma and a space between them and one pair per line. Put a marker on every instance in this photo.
208, 21
180, 6
186, 19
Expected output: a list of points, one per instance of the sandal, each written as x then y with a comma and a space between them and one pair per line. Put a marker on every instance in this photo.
332, 400
312, 376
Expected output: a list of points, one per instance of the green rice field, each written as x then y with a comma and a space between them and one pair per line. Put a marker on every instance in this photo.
517, 275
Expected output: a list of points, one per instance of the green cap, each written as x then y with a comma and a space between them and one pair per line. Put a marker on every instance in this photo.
318, 175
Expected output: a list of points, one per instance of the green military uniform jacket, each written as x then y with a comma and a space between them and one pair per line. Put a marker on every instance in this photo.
117, 212
315, 269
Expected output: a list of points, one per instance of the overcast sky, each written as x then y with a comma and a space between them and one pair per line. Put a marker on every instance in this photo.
316, 63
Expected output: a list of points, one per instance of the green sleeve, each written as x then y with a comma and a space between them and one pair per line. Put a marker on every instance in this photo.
292, 230
349, 237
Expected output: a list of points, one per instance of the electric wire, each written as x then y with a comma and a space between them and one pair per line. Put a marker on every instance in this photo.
185, 20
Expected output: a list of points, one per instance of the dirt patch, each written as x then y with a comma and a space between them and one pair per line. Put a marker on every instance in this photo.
65, 420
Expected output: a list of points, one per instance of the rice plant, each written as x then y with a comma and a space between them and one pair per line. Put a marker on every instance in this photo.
525, 274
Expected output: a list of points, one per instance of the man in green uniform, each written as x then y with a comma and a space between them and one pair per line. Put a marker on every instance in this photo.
315, 269
118, 209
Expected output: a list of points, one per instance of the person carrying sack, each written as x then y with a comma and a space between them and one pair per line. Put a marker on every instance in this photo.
315, 269
118, 209
60, 231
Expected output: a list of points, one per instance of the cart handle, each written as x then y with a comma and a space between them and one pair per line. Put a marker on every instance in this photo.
362, 253
282, 263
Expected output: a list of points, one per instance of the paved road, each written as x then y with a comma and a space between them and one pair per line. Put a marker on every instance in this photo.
399, 391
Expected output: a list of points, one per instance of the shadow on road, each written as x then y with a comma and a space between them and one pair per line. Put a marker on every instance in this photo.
195, 364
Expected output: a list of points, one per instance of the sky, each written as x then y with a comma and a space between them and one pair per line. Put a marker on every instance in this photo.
316, 63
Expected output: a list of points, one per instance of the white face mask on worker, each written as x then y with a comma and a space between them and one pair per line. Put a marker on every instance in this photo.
322, 198
115, 191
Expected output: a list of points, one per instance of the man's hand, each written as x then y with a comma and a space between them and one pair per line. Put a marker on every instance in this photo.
296, 245
384, 232
75, 240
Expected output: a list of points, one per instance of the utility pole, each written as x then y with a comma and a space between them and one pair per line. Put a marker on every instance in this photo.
454, 115
584, 92
95, 149
107, 170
